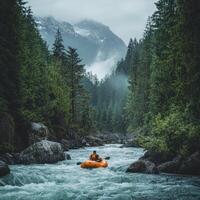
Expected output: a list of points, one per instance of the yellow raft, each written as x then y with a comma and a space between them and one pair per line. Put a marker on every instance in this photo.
94, 164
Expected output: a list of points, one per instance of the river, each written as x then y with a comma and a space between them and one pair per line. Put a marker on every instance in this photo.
67, 181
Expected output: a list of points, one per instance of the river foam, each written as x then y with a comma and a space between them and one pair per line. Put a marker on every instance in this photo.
67, 181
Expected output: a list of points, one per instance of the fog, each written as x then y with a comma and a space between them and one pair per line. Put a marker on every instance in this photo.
126, 18
101, 68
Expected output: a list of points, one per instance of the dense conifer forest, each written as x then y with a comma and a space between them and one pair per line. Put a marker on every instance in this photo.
163, 102
38, 85
154, 92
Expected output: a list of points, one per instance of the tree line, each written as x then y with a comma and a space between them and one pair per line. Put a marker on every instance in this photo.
37, 85
154, 92
163, 105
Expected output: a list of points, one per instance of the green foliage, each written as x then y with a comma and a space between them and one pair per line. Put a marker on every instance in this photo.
58, 92
108, 98
173, 133
37, 86
58, 47
164, 76
74, 72
111, 97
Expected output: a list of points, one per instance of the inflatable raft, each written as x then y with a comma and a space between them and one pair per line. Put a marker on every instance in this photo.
94, 164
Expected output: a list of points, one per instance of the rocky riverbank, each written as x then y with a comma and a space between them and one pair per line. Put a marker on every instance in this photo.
154, 163
43, 152
43, 148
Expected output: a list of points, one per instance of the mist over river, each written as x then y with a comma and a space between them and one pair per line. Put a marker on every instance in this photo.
67, 181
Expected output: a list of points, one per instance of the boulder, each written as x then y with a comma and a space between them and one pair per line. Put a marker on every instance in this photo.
38, 132
85, 143
42, 152
74, 144
93, 141
157, 157
65, 144
171, 166
131, 143
191, 165
8, 158
111, 138
4, 169
67, 156
143, 166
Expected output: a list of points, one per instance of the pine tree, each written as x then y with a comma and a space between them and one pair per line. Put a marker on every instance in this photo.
74, 73
9, 64
58, 47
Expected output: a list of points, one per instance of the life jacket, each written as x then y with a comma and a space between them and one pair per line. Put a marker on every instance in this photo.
94, 157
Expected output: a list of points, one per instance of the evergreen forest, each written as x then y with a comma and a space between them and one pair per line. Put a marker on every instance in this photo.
154, 92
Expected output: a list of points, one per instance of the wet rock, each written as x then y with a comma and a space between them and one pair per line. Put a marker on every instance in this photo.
168, 163
171, 166
67, 156
143, 166
93, 141
74, 139
65, 144
75, 144
38, 132
4, 169
85, 143
191, 165
157, 157
131, 143
111, 138
16, 157
8, 158
42, 152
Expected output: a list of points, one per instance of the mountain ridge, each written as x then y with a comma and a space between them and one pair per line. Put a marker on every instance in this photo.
94, 41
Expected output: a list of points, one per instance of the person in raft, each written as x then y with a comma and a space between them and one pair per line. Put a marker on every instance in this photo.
95, 157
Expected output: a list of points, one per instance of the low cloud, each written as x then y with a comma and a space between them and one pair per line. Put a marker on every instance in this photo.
127, 18
102, 67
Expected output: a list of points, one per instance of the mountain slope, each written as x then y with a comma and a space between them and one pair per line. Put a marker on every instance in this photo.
97, 45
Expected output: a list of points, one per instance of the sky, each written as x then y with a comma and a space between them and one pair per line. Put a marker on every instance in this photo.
126, 18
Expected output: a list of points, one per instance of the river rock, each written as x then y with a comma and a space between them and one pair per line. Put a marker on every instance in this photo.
8, 158
93, 141
131, 143
143, 166
157, 157
191, 165
4, 169
65, 144
67, 156
171, 166
75, 144
42, 152
85, 143
38, 132
111, 138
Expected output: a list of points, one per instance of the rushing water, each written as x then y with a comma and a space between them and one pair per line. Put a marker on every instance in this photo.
67, 181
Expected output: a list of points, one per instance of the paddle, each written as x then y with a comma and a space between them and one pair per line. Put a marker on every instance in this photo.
106, 158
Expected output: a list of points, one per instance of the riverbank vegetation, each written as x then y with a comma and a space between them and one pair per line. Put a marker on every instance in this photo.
154, 92
37, 85
163, 102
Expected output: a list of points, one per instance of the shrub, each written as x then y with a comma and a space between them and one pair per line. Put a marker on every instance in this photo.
172, 133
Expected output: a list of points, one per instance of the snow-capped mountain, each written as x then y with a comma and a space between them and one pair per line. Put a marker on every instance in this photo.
97, 45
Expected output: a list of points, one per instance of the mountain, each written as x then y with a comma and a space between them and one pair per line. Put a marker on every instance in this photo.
97, 45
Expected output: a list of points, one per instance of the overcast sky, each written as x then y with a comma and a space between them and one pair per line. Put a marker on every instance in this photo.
126, 18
